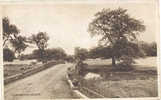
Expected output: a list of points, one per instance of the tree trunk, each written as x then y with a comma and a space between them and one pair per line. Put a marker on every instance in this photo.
113, 61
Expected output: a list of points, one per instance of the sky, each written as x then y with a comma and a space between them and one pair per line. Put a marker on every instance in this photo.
67, 23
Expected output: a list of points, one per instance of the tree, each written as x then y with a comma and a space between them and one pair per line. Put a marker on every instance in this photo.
8, 54
12, 35
153, 46
19, 44
51, 54
149, 49
116, 29
81, 53
69, 58
40, 40
55, 53
100, 51
10, 31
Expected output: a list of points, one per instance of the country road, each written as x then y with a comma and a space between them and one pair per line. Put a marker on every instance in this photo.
47, 84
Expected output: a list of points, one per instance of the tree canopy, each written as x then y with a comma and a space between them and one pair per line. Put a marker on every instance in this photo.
19, 44
8, 55
11, 34
55, 53
149, 49
10, 31
80, 53
117, 30
100, 52
40, 40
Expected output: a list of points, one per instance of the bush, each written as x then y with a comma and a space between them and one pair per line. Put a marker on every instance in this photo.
8, 55
150, 49
69, 59
125, 63
81, 53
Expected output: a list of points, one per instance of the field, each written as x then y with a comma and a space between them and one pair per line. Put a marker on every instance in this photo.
16, 67
142, 62
139, 82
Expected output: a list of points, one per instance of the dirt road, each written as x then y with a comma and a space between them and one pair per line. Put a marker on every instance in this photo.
48, 84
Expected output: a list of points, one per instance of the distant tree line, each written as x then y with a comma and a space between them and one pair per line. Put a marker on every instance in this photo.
142, 49
50, 54
149, 49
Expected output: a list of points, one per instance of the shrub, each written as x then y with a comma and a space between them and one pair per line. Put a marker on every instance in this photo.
69, 58
8, 55
150, 49
125, 63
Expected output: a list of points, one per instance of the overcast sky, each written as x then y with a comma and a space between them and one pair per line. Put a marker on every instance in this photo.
67, 24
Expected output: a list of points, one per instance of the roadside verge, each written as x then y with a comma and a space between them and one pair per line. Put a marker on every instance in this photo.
30, 72
75, 89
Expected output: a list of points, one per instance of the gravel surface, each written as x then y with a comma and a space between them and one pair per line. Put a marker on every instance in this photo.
47, 84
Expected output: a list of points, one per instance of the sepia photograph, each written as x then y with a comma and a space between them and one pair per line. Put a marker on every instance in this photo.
80, 50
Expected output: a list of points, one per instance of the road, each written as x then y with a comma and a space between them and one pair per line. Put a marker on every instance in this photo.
48, 84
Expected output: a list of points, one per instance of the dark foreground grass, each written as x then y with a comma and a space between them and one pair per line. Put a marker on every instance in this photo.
124, 88
122, 84
13, 69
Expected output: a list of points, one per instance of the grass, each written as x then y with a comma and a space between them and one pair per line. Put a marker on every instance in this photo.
17, 66
13, 69
123, 88
139, 82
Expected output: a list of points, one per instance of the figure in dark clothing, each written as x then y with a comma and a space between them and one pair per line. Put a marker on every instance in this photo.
80, 67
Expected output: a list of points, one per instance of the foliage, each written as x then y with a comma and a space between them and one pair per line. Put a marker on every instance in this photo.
55, 53
125, 64
153, 47
40, 40
125, 48
10, 31
50, 54
27, 57
70, 58
8, 55
100, 52
80, 53
116, 29
12, 35
149, 49
37, 54
19, 44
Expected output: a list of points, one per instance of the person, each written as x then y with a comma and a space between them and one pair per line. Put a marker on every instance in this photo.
78, 66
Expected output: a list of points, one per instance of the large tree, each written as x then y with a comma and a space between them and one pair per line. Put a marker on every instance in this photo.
117, 30
40, 40
11, 34
10, 31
